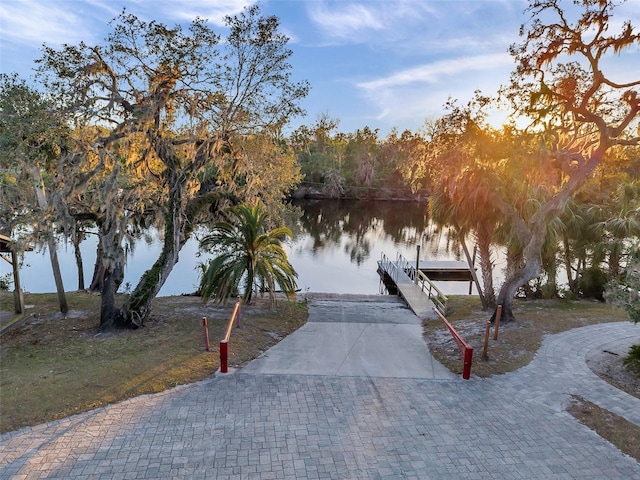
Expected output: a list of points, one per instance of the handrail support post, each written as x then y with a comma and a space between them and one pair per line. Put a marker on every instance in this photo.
224, 343
224, 356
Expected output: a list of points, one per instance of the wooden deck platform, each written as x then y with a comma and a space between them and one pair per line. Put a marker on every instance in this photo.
446, 270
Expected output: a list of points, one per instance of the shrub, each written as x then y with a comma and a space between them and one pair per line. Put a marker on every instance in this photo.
632, 360
5, 281
592, 283
625, 293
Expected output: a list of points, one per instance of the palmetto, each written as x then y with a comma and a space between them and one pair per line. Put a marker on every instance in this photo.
247, 258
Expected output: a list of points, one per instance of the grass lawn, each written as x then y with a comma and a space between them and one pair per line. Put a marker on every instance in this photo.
52, 367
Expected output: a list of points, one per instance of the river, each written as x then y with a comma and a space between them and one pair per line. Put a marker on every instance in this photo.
335, 249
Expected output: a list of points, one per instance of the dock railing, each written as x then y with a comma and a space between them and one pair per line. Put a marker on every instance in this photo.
438, 298
389, 266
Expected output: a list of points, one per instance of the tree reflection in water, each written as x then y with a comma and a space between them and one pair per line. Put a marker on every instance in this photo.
335, 249
338, 243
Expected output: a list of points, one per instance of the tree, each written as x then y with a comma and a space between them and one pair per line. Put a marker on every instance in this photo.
582, 111
246, 253
461, 162
317, 149
33, 139
621, 222
352, 165
184, 101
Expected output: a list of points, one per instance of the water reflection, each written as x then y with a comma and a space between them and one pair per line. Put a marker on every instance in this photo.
335, 249
338, 244
360, 224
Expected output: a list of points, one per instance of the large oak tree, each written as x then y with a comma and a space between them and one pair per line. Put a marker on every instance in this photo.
580, 110
178, 107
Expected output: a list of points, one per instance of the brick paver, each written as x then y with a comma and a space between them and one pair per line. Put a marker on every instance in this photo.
247, 426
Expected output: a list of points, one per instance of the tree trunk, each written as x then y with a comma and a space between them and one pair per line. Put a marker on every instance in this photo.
51, 242
78, 254
485, 305
530, 270
508, 291
112, 265
567, 264
614, 259
110, 316
138, 306
99, 272
486, 267
57, 276
178, 228
18, 296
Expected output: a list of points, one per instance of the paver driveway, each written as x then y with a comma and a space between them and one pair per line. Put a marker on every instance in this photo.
302, 426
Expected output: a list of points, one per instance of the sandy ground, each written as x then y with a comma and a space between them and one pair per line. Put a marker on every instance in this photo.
607, 364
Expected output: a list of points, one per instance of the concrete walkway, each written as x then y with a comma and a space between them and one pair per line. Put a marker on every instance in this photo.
354, 336
348, 423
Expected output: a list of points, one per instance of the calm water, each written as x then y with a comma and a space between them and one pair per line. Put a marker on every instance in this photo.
335, 249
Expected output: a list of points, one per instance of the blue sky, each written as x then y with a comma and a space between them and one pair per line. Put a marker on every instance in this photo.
375, 63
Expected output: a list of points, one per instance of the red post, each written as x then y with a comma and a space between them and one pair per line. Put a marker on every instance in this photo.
205, 328
224, 353
468, 357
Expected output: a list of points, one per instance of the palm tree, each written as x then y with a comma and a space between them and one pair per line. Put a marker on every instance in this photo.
463, 200
247, 254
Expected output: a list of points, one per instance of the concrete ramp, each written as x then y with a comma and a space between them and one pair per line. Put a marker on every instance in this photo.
370, 336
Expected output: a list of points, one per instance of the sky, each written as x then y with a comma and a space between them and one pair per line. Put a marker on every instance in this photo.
384, 64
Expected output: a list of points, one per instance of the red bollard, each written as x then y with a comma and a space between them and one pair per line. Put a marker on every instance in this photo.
224, 356
205, 327
468, 357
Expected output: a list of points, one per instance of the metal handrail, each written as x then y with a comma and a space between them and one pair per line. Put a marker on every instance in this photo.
439, 299
390, 267
465, 349
234, 315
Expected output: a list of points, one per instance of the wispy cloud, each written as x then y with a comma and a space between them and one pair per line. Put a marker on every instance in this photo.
213, 10
420, 92
32, 23
345, 21
357, 21
434, 72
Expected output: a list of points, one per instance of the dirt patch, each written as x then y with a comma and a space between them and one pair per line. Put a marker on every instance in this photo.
617, 430
518, 341
608, 365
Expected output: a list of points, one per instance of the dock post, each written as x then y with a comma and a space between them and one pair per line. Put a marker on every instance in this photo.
417, 262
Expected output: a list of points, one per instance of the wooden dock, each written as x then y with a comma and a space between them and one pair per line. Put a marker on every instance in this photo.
446, 270
416, 286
